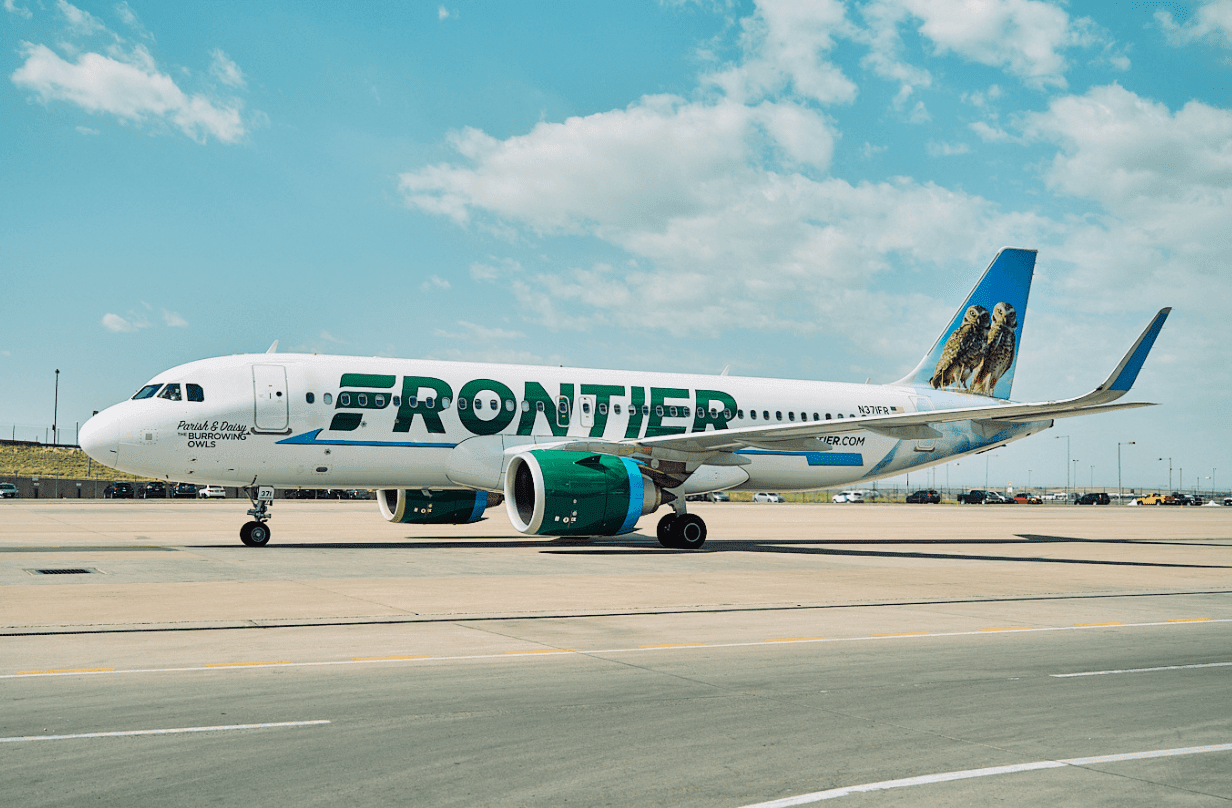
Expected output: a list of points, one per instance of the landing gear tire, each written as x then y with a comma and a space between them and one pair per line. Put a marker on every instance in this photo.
664, 530
255, 534
689, 531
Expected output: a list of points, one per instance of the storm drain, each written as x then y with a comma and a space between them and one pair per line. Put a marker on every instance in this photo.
69, 571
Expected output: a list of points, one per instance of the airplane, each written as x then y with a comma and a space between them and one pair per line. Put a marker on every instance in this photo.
576, 451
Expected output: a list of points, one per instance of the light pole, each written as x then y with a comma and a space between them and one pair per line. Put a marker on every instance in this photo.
1169, 472
1075, 477
1092, 478
55, 412
1119, 445
1058, 437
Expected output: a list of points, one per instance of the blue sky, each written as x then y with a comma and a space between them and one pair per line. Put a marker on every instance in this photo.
795, 189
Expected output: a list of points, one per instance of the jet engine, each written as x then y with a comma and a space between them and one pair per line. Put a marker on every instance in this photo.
555, 492
440, 507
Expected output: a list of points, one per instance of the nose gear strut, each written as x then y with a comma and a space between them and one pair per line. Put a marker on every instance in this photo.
256, 533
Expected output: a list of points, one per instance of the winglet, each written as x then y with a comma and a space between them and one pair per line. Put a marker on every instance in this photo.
1126, 372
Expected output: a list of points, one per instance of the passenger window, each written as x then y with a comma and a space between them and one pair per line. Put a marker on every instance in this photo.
397, 401
363, 399
602, 409
765, 415
659, 410
816, 417
778, 415
462, 404
171, 392
479, 403
344, 399
739, 414
509, 404
539, 406
379, 398
753, 414
494, 404
827, 416
309, 397
840, 415
412, 402
791, 416
445, 402
194, 392
616, 409
328, 398
726, 414
646, 409
147, 391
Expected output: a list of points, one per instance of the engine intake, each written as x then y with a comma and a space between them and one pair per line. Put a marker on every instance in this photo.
554, 492
441, 507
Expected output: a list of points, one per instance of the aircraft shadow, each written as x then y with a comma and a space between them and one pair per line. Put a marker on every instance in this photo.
637, 544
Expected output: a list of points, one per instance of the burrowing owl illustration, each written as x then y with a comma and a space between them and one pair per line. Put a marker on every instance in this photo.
998, 351
963, 350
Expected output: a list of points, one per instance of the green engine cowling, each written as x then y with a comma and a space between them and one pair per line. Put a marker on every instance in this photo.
553, 492
423, 507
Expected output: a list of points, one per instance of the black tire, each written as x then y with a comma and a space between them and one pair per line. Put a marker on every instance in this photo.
688, 531
664, 530
255, 534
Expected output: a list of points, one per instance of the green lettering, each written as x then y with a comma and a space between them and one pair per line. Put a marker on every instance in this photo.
702, 417
480, 426
412, 386
657, 397
603, 394
637, 398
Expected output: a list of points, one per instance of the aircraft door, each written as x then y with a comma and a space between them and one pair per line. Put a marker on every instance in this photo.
586, 411
924, 405
269, 387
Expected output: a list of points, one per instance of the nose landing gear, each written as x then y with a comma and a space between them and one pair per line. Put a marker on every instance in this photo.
256, 533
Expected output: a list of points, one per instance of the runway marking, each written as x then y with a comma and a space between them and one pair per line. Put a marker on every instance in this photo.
1097, 625
545, 651
1191, 620
222, 666
947, 777
794, 639
66, 670
1143, 670
178, 731
1008, 628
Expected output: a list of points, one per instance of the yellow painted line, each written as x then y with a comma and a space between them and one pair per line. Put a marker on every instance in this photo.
67, 670
1190, 620
1097, 625
380, 658
793, 639
1008, 628
675, 645
545, 651
244, 664
906, 634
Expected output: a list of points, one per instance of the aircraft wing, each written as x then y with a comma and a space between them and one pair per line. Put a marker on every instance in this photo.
710, 447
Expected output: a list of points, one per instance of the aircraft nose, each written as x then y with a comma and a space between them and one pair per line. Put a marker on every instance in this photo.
100, 438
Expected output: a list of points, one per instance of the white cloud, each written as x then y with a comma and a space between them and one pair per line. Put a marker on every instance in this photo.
225, 70
1025, 37
443, 13
117, 324
936, 149
174, 320
472, 332
991, 134
434, 282
82, 22
21, 11
85, 130
1212, 20
132, 89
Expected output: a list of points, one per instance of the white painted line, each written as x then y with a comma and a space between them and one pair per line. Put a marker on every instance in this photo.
178, 731
1142, 670
946, 777
563, 652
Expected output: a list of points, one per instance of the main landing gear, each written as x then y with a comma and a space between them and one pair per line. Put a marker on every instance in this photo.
256, 533
682, 531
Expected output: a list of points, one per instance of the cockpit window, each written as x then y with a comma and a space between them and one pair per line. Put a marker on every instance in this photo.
194, 392
171, 392
147, 391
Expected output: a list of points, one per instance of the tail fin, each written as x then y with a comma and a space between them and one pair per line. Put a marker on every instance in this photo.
977, 351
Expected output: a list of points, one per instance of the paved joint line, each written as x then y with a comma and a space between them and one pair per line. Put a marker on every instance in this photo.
1142, 670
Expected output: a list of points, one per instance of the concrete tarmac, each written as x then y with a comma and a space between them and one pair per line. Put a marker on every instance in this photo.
805, 648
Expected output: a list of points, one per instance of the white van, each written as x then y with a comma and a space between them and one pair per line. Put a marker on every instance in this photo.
849, 496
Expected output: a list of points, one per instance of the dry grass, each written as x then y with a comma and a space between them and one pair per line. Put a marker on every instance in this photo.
51, 462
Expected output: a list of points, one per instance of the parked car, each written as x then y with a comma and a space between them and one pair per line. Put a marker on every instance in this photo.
1093, 498
711, 496
358, 493
211, 492
184, 491
1227, 501
973, 497
996, 498
1027, 499
768, 496
924, 497
848, 496
1151, 499
119, 491
153, 490
9, 491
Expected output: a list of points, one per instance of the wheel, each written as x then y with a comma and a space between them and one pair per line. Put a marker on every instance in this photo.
255, 534
664, 530
688, 531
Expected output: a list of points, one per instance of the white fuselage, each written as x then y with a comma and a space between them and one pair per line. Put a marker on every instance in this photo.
299, 420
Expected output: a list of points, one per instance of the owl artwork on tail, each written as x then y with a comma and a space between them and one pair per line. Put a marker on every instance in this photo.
963, 350
998, 350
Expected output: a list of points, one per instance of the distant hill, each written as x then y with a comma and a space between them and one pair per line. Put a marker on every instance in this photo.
33, 460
